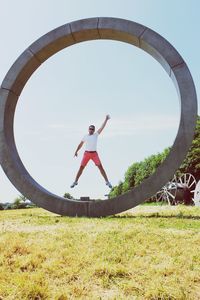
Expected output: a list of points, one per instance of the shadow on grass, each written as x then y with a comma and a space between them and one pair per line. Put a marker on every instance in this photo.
123, 216
156, 215
178, 216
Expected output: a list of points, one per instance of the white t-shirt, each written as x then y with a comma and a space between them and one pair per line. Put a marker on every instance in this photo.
90, 141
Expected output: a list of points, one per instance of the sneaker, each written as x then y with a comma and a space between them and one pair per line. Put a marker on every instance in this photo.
109, 184
73, 184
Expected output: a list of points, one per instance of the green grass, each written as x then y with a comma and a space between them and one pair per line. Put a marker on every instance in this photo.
146, 253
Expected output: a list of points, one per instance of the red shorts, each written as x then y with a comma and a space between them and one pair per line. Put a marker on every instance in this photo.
90, 155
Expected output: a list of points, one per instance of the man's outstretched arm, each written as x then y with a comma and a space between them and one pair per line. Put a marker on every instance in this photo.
78, 148
104, 124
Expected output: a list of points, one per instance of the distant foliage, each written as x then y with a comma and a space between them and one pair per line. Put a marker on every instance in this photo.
68, 196
192, 162
19, 202
139, 171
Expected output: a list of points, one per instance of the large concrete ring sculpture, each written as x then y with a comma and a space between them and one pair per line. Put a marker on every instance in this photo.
65, 36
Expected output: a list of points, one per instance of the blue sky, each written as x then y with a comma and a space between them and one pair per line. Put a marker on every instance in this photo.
81, 84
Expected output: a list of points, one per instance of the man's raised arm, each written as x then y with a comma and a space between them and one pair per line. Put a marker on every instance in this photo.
104, 124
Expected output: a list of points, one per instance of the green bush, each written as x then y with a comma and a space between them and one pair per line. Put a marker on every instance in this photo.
139, 171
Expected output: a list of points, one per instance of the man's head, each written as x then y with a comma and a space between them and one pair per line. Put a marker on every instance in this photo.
91, 129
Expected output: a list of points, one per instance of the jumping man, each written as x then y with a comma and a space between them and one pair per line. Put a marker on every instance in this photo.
90, 141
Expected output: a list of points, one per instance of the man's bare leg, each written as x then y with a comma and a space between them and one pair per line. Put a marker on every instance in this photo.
103, 173
80, 171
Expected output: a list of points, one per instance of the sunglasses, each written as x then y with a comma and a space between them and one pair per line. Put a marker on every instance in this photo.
91, 129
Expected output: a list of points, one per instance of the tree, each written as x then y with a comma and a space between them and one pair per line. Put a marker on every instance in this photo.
192, 162
19, 202
117, 190
68, 196
139, 171
23, 198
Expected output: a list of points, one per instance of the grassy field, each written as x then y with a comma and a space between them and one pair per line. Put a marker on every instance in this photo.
146, 253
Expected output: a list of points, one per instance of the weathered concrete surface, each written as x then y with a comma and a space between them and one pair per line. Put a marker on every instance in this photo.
121, 30
160, 49
20, 72
85, 30
62, 37
197, 194
52, 42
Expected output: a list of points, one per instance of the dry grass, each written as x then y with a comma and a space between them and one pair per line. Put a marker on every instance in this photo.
141, 254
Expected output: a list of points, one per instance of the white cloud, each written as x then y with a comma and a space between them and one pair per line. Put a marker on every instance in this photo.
141, 124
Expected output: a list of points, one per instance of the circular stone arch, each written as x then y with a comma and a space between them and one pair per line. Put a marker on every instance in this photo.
65, 36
